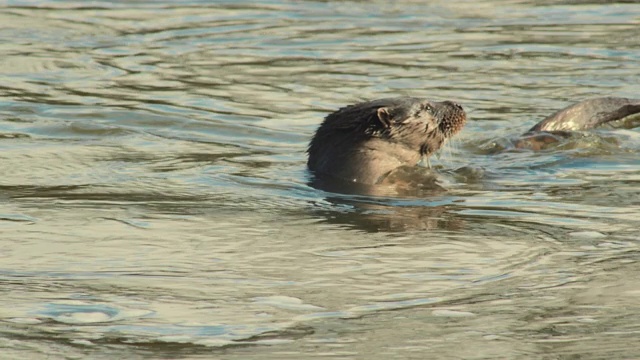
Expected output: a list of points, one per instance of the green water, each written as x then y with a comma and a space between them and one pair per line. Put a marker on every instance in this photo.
154, 200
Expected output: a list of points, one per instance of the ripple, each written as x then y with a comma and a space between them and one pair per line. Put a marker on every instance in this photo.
82, 313
154, 199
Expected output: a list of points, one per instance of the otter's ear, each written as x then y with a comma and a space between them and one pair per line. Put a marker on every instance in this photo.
384, 117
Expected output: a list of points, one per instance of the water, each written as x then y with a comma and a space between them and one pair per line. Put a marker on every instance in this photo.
154, 201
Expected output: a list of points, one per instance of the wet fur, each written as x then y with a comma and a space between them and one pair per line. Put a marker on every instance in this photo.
365, 142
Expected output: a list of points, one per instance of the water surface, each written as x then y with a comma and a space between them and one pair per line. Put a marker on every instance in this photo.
154, 201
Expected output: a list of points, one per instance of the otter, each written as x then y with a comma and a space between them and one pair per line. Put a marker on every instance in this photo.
585, 115
590, 114
364, 143
367, 142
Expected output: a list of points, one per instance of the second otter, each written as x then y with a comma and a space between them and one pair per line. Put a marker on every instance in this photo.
364, 143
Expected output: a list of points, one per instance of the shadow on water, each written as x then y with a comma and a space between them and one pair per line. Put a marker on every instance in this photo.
414, 199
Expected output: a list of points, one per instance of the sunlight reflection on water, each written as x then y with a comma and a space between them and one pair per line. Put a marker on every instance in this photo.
154, 200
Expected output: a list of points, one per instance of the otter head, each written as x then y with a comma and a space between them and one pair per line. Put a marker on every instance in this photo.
365, 142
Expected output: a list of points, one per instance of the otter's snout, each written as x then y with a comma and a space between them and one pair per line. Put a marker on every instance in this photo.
452, 118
